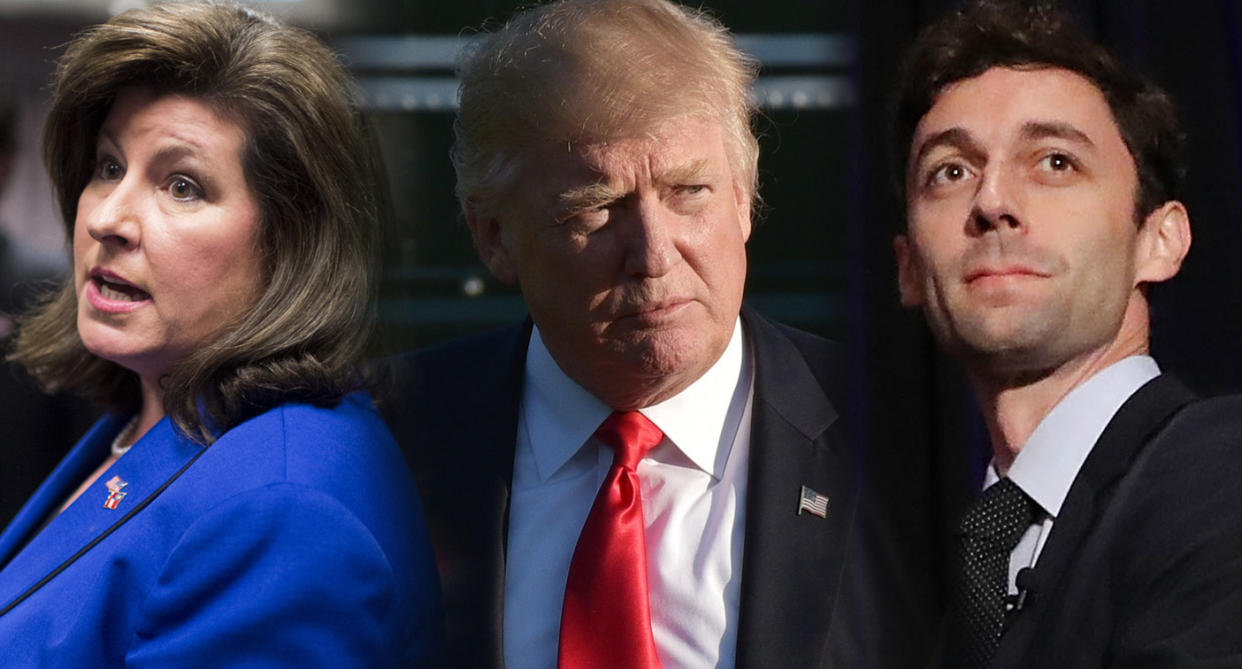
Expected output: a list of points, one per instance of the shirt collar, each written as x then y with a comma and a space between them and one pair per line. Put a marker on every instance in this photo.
701, 421
1050, 459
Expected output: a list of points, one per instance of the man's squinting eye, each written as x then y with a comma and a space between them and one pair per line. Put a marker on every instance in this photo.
592, 217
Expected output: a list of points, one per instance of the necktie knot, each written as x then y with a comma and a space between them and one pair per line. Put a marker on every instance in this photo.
631, 436
1000, 516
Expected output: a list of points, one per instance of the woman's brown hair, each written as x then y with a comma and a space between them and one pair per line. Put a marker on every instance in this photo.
309, 166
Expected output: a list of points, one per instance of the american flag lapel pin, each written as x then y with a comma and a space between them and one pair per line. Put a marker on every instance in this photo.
813, 503
114, 492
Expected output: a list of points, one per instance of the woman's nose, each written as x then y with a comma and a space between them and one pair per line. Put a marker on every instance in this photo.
110, 213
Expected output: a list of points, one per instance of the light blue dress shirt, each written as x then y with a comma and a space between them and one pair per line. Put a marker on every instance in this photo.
1049, 461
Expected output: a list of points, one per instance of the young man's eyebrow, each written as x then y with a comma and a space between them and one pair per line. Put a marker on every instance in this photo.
955, 137
1032, 130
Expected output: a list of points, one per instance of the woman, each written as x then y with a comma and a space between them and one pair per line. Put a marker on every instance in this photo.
241, 505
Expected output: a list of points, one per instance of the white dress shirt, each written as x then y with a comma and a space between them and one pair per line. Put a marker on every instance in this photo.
694, 501
1049, 461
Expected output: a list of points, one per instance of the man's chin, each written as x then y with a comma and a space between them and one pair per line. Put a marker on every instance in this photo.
1024, 346
665, 352
1011, 362
656, 350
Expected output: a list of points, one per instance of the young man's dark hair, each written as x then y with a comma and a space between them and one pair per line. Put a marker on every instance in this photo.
1021, 35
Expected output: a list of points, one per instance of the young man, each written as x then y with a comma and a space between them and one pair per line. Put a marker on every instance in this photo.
1040, 183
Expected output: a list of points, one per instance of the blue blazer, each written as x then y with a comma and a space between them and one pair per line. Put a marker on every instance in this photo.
295, 540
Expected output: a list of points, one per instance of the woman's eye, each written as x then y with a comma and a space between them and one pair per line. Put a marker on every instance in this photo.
181, 188
109, 169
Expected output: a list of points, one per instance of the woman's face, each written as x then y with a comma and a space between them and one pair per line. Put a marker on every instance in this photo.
165, 244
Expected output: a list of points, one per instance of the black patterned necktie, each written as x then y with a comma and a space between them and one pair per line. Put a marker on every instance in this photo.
986, 536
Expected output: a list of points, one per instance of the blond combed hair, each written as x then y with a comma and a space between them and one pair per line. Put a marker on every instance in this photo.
311, 169
582, 71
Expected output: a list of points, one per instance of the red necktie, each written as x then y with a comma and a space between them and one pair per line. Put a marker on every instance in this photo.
606, 620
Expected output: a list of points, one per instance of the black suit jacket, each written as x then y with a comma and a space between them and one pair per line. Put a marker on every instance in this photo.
455, 408
1143, 567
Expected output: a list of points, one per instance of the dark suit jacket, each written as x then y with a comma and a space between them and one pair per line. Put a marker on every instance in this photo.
455, 412
1143, 567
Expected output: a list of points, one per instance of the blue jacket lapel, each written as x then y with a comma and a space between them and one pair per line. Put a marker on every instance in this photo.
78, 463
154, 459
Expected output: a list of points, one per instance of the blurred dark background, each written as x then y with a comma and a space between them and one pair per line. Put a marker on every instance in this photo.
820, 257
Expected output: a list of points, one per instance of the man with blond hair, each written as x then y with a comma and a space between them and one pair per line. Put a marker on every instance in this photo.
645, 473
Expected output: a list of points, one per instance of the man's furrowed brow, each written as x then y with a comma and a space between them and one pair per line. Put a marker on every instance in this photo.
587, 197
687, 173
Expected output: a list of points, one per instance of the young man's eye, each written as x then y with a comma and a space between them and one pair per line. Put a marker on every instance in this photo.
1057, 162
947, 173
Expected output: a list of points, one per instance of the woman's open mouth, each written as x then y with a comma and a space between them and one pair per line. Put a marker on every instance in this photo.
119, 291
108, 292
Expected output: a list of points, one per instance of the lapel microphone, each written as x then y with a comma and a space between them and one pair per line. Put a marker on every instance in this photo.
1025, 581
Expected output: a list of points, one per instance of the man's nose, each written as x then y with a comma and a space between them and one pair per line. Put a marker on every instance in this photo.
998, 204
651, 248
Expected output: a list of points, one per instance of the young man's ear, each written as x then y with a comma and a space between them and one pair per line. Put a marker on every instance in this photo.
909, 273
1164, 240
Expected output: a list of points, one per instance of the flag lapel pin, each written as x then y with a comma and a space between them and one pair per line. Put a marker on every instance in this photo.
114, 492
813, 503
